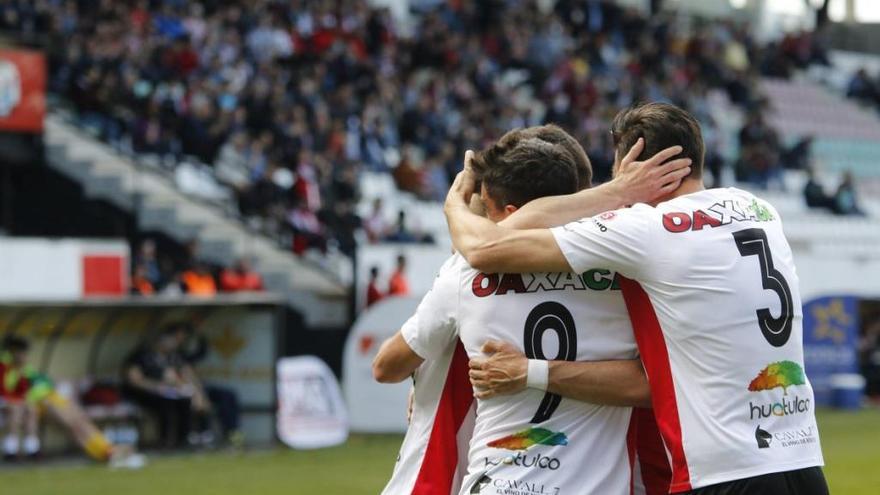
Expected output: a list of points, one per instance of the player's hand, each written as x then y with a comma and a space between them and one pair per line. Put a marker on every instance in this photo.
646, 181
502, 372
464, 184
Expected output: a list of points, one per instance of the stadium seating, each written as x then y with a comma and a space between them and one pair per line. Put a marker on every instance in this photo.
163, 207
803, 108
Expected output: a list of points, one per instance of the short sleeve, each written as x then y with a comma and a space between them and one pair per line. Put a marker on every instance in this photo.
435, 322
618, 240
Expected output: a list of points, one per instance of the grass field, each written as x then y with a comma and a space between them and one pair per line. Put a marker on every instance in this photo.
851, 442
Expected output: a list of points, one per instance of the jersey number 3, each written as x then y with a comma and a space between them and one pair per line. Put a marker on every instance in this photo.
549, 316
777, 330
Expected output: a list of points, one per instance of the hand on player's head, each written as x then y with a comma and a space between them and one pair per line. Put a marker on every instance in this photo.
477, 206
651, 179
464, 184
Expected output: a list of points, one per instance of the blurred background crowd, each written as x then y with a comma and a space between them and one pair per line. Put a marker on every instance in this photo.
288, 102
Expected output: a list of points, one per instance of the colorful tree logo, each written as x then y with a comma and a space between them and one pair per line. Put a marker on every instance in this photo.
526, 438
781, 374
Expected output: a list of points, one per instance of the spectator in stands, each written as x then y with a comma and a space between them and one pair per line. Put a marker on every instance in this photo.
148, 260
326, 86
805, 48
714, 162
814, 193
175, 287
862, 87
845, 200
308, 233
306, 187
232, 164
240, 278
374, 294
198, 280
401, 232
800, 154
192, 347
268, 188
437, 181
344, 224
404, 234
156, 377
140, 283
759, 147
397, 284
376, 226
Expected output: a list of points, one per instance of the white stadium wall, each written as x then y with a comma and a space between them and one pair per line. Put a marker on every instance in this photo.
823, 275
38, 269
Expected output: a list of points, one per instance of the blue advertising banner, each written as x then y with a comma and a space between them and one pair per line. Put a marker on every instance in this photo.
831, 333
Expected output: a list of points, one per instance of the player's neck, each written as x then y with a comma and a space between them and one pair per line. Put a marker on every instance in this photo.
688, 186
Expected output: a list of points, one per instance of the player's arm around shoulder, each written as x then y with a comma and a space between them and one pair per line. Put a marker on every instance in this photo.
620, 383
426, 333
635, 182
505, 370
517, 251
489, 247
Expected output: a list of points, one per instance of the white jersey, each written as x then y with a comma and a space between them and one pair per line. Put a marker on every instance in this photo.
718, 322
433, 457
535, 441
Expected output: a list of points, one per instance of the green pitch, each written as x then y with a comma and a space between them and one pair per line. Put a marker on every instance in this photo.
851, 442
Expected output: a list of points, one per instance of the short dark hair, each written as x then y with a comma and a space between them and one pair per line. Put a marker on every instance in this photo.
662, 125
521, 167
554, 134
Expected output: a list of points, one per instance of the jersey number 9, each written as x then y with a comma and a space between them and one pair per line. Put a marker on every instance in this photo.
549, 316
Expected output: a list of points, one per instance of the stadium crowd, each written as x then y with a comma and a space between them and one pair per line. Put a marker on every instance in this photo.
290, 101
155, 273
864, 87
398, 283
844, 201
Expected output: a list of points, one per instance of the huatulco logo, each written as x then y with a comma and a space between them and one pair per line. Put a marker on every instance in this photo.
522, 441
782, 374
